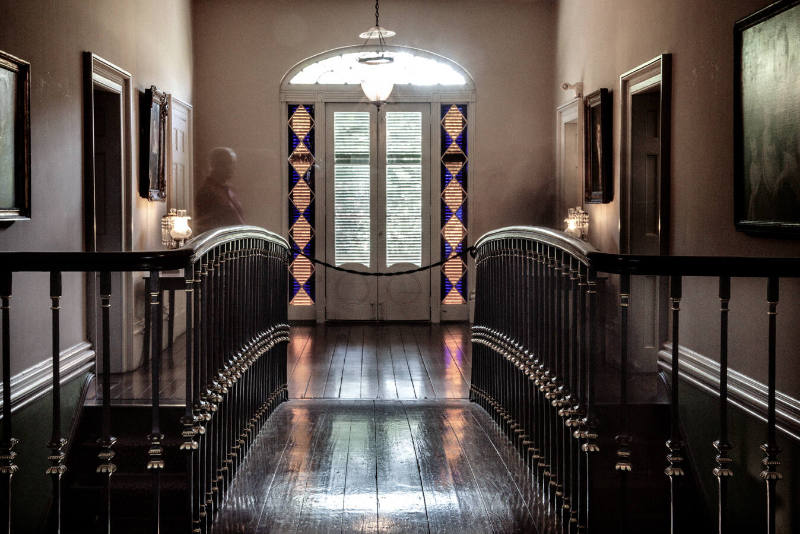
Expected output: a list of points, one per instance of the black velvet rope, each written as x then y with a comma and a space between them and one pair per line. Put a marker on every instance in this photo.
468, 250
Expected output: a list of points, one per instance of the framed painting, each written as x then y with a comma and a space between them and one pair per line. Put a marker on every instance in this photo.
154, 109
15, 138
598, 158
767, 121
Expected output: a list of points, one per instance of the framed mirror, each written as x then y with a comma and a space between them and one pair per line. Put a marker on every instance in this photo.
598, 182
15, 138
154, 108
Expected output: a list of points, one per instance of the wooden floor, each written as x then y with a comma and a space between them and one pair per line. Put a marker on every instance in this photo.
379, 466
377, 437
340, 361
367, 361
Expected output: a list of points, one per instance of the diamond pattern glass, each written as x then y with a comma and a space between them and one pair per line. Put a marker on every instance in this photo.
454, 157
301, 203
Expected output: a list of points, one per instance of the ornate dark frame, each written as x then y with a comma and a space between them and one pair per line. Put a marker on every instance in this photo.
21, 211
604, 191
742, 223
154, 108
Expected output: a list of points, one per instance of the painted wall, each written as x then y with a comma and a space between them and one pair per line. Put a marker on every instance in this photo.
597, 41
150, 39
244, 47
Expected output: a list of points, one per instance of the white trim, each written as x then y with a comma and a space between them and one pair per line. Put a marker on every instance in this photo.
111, 76
172, 185
353, 93
36, 381
566, 113
744, 392
634, 81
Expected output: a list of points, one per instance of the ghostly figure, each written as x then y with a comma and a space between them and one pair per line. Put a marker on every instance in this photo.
216, 203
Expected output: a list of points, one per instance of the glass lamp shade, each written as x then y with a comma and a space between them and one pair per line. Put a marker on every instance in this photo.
180, 230
377, 82
377, 89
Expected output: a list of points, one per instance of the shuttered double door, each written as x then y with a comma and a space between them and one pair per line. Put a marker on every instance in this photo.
378, 211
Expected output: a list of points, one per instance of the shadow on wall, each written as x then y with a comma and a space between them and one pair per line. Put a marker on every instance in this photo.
216, 202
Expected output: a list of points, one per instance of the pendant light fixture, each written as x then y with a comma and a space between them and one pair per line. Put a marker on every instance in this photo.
377, 82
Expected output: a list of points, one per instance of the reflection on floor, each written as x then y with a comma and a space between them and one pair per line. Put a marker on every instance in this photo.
366, 361
377, 437
380, 466
383, 361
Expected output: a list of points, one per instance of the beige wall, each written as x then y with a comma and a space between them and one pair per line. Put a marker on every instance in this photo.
244, 47
152, 40
597, 41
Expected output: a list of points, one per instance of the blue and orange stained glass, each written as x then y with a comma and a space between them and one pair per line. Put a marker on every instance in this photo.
455, 160
301, 203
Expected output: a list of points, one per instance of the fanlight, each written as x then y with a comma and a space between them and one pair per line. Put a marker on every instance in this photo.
406, 69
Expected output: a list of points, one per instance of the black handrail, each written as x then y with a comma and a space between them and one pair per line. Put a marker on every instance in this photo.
148, 260
633, 264
535, 361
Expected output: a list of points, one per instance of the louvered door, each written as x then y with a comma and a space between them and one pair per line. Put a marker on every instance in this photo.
404, 212
378, 211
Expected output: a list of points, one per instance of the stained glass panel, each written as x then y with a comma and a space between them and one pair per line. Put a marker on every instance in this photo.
301, 203
455, 158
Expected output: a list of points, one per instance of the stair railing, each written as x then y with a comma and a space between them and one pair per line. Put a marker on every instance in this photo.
236, 329
538, 345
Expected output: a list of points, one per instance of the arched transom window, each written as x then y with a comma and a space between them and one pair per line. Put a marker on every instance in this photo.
407, 69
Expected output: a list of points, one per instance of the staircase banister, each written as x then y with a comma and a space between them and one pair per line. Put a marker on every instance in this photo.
150, 260
204, 242
145, 260
694, 265
733, 266
576, 247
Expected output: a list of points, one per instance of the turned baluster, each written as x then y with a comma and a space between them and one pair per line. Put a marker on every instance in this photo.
674, 468
623, 440
155, 453
57, 442
7, 455
770, 462
723, 469
106, 441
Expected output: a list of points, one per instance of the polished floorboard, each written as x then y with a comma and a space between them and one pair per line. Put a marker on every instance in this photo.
379, 361
377, 437
323, 465
338, 361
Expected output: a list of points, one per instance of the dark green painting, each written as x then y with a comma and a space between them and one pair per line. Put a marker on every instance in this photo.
768, 119
8, 99
14, 138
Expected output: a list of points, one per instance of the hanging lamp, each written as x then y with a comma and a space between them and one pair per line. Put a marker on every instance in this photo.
377, 82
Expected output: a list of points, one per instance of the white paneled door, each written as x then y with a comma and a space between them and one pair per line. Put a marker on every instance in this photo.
378, 211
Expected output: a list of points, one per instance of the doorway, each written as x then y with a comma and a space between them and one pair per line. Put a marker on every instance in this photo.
645, 200
108, 187
569, 158
378, 211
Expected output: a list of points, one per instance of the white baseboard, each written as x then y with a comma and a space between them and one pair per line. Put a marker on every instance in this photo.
37, 380
743, 391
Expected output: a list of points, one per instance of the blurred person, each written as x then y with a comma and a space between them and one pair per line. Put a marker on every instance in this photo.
216, 203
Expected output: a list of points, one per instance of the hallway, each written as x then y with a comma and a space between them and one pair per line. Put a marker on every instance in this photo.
378, 437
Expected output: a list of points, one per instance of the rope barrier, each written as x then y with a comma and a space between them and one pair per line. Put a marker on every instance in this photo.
468, 250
